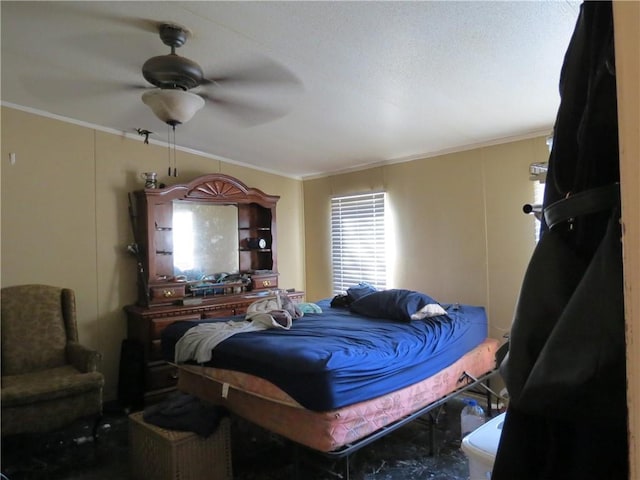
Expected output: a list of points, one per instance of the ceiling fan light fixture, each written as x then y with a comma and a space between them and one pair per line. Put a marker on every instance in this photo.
173, 106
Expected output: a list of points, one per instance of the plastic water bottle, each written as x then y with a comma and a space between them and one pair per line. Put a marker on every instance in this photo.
471, 417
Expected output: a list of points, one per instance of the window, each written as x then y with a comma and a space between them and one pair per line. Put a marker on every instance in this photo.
358, 241
538, 175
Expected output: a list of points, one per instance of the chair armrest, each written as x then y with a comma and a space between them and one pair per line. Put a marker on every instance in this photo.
83, 358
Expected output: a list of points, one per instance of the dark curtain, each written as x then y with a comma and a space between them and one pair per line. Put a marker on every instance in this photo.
565, 370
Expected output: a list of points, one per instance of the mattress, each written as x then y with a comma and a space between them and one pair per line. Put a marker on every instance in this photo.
266, 405
336, 358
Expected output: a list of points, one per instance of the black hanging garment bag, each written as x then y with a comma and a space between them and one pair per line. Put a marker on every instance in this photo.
565, 371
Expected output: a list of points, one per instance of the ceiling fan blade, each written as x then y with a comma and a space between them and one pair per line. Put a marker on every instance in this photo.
137, 86
68, 88
260, 72
244, 112
146, 24
88, 12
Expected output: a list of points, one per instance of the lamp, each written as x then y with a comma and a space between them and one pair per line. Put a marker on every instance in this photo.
173, 106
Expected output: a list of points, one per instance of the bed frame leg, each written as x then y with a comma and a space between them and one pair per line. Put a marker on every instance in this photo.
347, 467
432, 435
434, 416
295, 473
489, 399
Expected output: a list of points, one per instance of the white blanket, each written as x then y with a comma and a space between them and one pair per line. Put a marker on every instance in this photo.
198, 342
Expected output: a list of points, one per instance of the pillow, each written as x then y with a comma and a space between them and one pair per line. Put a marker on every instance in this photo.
360, 290
428, 311
397, 304
340, 301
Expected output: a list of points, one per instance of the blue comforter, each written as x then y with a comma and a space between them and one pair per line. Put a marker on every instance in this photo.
336, 358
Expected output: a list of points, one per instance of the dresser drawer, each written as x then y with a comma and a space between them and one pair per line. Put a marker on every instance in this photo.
161, 376
260, 282
167, 293
155, 351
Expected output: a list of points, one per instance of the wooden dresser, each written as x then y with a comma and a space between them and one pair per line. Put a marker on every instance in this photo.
204, 249
146, 325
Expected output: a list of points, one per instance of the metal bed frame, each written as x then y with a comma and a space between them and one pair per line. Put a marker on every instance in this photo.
345, 452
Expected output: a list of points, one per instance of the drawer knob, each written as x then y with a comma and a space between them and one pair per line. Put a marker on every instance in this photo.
266, 283
168, 293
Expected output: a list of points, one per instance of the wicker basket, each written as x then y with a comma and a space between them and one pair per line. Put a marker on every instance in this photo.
160, 454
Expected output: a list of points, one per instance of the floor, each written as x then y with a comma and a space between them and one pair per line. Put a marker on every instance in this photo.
71, 454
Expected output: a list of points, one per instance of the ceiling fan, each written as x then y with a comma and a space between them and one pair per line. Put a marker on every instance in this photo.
174, 76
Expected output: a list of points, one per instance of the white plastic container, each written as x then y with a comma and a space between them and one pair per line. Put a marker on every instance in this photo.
481, 446
471, 417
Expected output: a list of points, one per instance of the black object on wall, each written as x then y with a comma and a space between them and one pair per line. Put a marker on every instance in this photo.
565, 370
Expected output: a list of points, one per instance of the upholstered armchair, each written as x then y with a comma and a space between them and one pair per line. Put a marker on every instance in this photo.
49, 380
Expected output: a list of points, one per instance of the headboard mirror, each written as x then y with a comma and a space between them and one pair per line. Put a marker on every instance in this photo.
197, 239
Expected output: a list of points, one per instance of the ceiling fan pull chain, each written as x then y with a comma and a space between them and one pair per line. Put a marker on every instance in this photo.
175, 166
169, 149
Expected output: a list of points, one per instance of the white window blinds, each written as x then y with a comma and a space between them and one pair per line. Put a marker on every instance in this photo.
358, 241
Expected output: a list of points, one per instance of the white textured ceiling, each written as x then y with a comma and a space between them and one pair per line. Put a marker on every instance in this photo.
379, 81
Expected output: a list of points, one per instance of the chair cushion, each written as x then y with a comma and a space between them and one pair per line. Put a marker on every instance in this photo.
47, 385
33, 329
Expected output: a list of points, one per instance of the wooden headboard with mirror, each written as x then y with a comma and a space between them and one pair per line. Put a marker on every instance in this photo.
212, 236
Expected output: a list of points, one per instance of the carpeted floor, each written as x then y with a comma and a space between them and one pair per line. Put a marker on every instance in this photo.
71, 454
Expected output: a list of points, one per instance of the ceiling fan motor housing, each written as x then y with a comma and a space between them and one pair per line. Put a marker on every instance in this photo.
172, 71
173, 35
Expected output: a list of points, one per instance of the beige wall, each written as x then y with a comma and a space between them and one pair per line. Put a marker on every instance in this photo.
460, 234
65, 219
65, 222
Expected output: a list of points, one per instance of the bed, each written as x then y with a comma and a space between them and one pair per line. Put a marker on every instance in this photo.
339, 379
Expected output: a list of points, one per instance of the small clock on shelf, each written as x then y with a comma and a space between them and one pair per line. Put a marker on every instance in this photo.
256, 243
